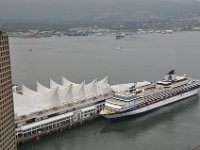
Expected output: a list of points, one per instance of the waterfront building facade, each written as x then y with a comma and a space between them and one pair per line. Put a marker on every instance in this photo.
7, 125
49, 109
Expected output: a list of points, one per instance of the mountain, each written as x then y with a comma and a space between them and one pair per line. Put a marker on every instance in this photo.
85, 11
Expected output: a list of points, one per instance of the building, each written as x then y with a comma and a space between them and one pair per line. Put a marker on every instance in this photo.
50, 109
7, 125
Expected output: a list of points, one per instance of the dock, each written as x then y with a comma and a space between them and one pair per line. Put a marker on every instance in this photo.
48, 110
73, 115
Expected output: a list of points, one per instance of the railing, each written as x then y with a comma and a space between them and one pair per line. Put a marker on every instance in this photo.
38, 131
67, 106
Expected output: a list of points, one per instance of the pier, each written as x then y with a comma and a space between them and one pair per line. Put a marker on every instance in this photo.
47, 110
71, 117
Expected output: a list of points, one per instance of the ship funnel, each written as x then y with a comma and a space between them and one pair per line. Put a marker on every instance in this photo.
132, 89
171, 72
171, 75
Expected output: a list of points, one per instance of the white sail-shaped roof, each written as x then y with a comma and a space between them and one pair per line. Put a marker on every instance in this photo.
66, 82
104, 90
69, 94
103, 82
27, 91
49, 99
79, 92
21, 100
61, 92
26, 104
65, 94
91, 89
54, 85
41, 88
45, 99
31, 101
103, 86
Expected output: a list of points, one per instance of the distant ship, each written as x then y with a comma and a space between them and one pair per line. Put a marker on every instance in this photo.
119, 48
119, 36
99, 34
139, 99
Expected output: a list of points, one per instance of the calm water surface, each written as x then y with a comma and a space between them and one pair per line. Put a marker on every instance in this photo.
141, 57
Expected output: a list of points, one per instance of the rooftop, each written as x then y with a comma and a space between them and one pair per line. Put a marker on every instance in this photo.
28, 102
3, 30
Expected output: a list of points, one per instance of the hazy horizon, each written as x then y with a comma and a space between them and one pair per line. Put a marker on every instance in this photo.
41, 11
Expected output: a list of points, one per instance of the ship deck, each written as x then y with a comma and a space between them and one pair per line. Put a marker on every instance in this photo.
146, 90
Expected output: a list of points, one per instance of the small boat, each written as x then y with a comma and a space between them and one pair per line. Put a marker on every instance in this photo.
99, 34
119, 48
119, 36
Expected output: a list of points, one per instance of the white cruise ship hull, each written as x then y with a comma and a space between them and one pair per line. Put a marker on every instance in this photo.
153, 106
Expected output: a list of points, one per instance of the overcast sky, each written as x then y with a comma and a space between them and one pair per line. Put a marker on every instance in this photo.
64, 9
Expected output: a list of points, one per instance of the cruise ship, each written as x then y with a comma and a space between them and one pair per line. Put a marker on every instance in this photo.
141, 99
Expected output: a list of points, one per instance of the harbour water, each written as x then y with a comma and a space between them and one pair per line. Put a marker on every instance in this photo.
133, 58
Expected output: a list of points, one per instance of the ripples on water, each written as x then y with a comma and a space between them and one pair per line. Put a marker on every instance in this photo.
134, 58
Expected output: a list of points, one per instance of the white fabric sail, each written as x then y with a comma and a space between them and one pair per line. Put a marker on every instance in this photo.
27, 91
31, 101
49, 99
91, 89
65, 94
105, 89
25, 104
103, 82
21, 100
79, 92
54, 85
61, 92
103, 86
69, 94
45, 99
66, 82
41, 88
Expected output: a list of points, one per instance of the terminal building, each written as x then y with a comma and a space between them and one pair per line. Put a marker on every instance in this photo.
49, 109
53, 108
